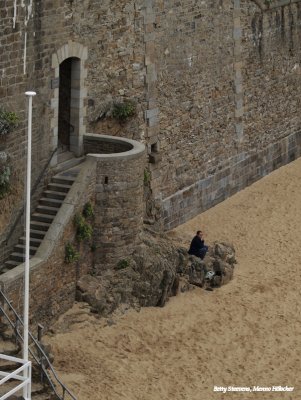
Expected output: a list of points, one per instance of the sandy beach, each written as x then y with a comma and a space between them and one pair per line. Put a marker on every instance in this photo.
245, 334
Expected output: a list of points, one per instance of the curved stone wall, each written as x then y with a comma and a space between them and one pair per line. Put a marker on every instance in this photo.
105, 144
119, 205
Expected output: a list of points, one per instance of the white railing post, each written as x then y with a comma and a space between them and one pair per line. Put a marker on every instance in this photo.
27, 241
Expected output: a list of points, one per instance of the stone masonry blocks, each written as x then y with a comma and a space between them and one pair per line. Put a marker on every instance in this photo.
207, 192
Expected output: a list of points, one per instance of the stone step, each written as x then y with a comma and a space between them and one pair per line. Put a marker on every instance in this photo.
17, 257
20, 248
42, 209
54, 195
64, 180
42, 396
58, 187
37, 234
63, 166
45, 201
39, 226
37, 390
6, 387
8, 265
35, 242
64, 156
8, 348
4, 327
7, 366
42, 217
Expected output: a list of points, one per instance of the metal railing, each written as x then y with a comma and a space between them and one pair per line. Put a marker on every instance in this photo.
22, 374
38, 355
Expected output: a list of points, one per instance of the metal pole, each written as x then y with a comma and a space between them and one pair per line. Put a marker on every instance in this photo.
27, 229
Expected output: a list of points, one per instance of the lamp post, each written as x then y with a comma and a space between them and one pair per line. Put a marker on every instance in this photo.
27, 235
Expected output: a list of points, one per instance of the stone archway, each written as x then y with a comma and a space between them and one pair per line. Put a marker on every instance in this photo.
68, 126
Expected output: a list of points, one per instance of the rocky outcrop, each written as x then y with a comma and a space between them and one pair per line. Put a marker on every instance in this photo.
157, 270
215, 270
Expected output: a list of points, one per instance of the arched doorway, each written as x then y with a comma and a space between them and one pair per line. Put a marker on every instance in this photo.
69, 104
68, 99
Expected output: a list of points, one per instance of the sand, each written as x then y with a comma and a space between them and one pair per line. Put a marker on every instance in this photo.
245, 334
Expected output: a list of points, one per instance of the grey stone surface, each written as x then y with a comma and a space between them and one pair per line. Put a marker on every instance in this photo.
210, 81
156, 270
216, 87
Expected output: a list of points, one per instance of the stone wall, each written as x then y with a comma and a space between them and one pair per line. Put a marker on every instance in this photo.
31, 39
28, 36
114, 35
52, 280
193, 44
217, 91
228, 78
52, 284
28, 39
271, 73
119, 204
213, 82
241, 171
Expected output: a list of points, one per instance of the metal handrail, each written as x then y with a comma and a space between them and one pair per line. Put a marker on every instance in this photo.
41, 359
34, 188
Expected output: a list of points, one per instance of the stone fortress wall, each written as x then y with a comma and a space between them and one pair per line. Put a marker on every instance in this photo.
216, 86
228, 88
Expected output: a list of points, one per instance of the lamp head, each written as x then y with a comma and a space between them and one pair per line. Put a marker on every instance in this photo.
30, 93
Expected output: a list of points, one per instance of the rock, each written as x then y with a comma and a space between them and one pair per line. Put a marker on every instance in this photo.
184, 285
225, 252
197, 271
216, 269
157, 270
168, 283
48, 351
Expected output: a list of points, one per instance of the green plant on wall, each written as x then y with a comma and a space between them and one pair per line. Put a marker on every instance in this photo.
88, 211
122, 264
123, 110
146, 177
8, 120
71, 255
4, 180
84, 230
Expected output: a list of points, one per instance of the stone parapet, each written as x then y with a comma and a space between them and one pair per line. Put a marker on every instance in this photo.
104, 144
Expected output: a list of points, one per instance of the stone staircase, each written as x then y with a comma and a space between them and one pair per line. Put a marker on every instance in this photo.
49, 204
66, 160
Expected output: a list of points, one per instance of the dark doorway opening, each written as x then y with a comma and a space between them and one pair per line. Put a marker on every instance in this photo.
64, 125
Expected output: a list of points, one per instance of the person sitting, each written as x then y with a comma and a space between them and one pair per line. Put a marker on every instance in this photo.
197, 246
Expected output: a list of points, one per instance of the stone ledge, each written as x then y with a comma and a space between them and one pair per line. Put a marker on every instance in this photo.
137, 149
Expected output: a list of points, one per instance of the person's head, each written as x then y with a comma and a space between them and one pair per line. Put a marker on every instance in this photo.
199, 233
